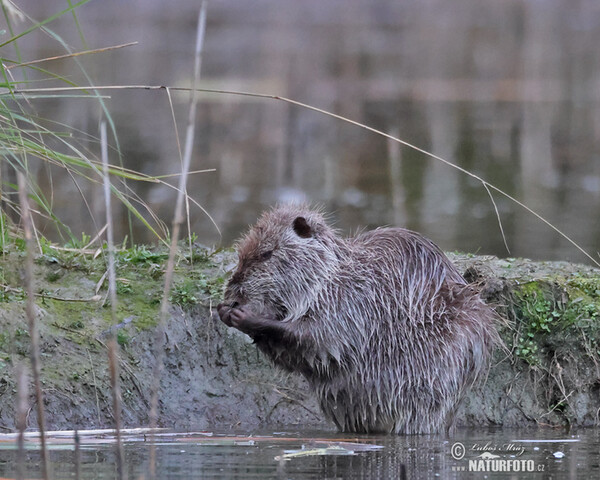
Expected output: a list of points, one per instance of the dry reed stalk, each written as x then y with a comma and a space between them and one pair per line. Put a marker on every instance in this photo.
92, 370
77, 454
113, 347
31, 323
177, 221
21, 414
113, 363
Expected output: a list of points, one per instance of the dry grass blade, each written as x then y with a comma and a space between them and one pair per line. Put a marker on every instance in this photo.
187, 202
31, 322
113, 347
487, 189
177, 221
71, 55
483, 182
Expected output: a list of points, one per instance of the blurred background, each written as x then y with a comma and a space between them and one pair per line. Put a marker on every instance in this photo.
509, 90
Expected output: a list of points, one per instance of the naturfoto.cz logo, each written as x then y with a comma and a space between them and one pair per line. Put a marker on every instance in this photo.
493, 462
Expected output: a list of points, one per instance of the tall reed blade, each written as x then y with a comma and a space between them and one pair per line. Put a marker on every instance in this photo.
30, 314
113, 347
177, 221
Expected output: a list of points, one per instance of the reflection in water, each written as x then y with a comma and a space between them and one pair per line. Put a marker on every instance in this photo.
487, 453
508, 90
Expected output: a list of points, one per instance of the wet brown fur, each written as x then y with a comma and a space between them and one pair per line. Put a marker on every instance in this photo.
382, 325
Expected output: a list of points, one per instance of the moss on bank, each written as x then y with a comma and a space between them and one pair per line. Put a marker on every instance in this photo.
548, 374
71, 285
74, 320
567, 306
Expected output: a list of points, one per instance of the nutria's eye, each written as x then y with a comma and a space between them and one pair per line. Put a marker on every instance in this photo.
266, 255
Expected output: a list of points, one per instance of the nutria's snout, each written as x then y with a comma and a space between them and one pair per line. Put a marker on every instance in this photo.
227, 305
225, 310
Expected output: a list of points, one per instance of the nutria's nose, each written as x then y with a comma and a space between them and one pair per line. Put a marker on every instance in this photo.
234, 305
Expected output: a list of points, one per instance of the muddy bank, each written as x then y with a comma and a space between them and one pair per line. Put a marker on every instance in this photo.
215, 378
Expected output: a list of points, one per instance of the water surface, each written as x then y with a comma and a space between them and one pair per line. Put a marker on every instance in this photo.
490, 453
507, 90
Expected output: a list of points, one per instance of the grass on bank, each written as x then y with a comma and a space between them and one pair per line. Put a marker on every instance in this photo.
72, 285
29, 144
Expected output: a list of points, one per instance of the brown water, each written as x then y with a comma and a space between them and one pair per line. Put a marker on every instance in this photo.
501, 454
508, 90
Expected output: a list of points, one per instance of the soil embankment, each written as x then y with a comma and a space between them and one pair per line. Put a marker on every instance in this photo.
215, 378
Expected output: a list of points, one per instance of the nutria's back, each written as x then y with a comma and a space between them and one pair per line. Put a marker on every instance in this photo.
382, 325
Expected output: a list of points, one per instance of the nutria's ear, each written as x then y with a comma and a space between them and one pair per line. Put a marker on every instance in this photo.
302, 228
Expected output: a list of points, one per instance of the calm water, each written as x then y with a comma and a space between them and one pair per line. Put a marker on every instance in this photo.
508, 90
543, 453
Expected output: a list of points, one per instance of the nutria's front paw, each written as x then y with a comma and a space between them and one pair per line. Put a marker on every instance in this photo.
235, 317
247, 321
241, 319
224, 311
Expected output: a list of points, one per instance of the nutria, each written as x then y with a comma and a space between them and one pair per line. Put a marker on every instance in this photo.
382, 325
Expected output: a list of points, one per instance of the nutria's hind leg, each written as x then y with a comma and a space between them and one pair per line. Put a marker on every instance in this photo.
450, 419
383, 427
450, 427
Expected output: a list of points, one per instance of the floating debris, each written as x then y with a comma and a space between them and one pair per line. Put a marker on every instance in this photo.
303, 452
339, 448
